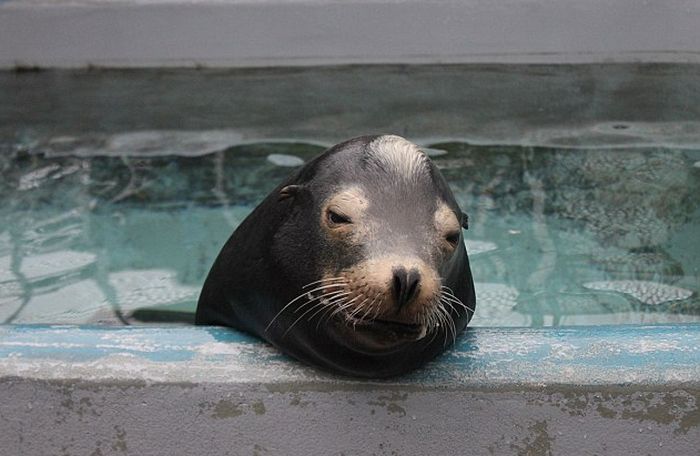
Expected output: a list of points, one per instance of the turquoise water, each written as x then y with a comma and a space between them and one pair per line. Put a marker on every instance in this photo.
557, 236
118, 188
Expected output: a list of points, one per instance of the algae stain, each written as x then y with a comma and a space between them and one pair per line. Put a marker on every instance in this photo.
669, 408
259, 450
226, 409
394, 396
120, 440
539, 442
677, 407
259, 408
389, 403
606, 412
395, 409
98, 450
297, 402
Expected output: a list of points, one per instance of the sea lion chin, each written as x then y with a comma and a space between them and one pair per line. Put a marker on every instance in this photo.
355, 264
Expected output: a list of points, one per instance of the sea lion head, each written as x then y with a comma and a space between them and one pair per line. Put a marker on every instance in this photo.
373, 248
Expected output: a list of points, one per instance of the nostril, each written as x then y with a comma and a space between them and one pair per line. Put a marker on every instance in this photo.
399, 282
406, 285
413, 284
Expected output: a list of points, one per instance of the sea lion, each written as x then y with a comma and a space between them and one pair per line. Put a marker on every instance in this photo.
355, 264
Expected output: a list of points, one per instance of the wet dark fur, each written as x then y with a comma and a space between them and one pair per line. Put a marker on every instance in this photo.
280, 247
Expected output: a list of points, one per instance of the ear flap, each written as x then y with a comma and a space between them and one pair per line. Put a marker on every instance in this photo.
465, 221
290, 191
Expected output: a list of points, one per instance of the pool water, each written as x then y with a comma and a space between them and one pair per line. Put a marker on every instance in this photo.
557, 236
108, 224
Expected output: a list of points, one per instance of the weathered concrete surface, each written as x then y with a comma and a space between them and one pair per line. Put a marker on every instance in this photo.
148, 391
128, 33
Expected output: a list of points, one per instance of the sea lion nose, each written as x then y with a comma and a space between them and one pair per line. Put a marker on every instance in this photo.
406, 285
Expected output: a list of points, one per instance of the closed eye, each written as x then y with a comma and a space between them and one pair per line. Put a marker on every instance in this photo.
338, 219
452, 238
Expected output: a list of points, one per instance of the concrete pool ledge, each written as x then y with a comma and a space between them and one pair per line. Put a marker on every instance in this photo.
173, 390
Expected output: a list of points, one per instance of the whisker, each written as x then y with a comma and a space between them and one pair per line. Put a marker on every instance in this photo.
367, 311
444, 287
356, 311
306, 293
327, 279
334, 309
324, 315
339, 308
368, 308
376, 310
449, 323
454, 299
346, 306
326, 296
321, 304
453, 326
329, 303
354, 315
433, 327
441, 319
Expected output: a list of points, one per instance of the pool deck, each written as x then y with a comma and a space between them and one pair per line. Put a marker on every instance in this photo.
176, 390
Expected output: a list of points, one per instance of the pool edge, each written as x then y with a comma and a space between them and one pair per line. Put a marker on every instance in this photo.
173, 390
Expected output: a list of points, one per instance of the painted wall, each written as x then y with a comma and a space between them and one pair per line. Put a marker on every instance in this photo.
127, 33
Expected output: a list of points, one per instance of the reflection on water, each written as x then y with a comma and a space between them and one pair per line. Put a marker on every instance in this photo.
557, 236
583, 236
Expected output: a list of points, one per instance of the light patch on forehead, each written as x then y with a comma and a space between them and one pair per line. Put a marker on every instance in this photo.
350, 196
445, 219
399, 155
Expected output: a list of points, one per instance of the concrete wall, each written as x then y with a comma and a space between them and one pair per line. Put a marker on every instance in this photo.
568, 106
174, 391
128, 33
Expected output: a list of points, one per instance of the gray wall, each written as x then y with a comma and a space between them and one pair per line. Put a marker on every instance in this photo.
70, 33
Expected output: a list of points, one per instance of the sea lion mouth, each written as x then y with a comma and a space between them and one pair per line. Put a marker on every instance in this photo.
409, 330
379, 335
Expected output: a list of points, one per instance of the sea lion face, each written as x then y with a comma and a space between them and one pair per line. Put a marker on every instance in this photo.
388, 231
355, 263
